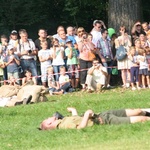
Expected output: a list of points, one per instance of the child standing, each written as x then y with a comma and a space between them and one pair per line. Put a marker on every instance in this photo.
143, 69
134, 70
58, 58
72, 63
45, 60
12, 62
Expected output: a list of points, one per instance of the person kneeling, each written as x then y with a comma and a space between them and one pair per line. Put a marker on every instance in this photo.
96, 77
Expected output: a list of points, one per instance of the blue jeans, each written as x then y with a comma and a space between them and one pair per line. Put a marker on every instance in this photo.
108, 65
65, 87
29, 64
56, 72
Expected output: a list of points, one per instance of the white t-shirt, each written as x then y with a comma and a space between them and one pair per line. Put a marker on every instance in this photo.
143, 64
97, 74
58, 60
96, 36
45, 54
63, 78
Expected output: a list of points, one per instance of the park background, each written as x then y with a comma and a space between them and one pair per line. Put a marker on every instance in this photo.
49, 14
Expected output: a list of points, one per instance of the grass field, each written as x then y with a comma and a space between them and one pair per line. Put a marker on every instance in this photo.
18, 125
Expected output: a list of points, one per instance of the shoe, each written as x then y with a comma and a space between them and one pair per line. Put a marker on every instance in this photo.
127, 85
27, 100
58, 115
89, 91
50, 92
133, 88
139, 88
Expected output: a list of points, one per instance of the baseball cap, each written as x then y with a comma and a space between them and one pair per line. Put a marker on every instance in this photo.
68, 40
14, 32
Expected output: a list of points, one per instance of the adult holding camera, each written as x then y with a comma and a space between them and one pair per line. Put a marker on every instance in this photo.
106, 55
86, 56
27, 52
96, 76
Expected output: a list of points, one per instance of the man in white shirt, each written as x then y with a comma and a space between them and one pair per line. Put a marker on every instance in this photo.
96, 31
96, 77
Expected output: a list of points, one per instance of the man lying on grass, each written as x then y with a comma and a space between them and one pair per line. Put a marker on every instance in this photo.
120, 116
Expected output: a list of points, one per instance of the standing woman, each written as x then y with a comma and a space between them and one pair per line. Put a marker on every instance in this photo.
123, 65
86, 56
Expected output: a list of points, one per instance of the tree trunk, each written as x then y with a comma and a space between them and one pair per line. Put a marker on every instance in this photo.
123, 12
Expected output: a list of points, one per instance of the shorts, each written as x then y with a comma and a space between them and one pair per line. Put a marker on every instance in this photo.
115, 117
144, 72
73, 71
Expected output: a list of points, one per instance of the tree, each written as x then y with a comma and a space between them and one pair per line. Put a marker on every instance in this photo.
123, 12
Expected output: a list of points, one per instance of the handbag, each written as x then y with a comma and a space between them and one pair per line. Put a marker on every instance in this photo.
91, 55
121, 53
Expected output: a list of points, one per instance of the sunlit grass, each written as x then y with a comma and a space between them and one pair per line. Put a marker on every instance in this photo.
18, 125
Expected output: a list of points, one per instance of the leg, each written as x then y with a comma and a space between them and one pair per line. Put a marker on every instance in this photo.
135, 112
73, 111
136, 119
123, 76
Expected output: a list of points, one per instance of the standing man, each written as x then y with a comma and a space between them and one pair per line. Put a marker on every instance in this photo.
27, 52
106, 55
96, 31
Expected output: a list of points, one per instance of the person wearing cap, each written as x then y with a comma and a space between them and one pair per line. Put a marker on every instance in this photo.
12, 62
13, 39
72, 63
110, 117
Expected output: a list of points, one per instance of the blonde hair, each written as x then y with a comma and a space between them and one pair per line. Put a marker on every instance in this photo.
141, 51
50, 68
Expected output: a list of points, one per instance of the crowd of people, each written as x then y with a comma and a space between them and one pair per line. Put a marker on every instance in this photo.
72, 58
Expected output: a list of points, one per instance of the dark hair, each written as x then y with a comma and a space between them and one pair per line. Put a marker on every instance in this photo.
27, 70
4, 36
103, 30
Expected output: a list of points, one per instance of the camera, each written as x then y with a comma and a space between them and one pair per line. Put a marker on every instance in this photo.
58, 115
29, 51
55, 45
84, 37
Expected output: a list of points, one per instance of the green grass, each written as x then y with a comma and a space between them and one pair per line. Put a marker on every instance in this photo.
18, 125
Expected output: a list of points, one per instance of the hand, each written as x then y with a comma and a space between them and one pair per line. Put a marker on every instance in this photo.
103, 60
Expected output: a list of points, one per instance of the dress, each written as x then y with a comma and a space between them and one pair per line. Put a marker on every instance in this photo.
125, 63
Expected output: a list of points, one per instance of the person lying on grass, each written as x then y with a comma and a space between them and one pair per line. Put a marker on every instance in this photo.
120, 116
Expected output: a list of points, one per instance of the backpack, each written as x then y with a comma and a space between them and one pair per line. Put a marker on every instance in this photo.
121, 53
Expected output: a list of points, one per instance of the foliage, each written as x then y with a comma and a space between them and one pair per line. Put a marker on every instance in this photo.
18, 125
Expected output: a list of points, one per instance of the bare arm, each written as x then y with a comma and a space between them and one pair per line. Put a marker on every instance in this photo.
85, 119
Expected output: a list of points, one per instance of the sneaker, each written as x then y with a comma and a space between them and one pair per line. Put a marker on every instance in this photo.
133, 88
139, 88
50, 92
127, 85
27, 100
